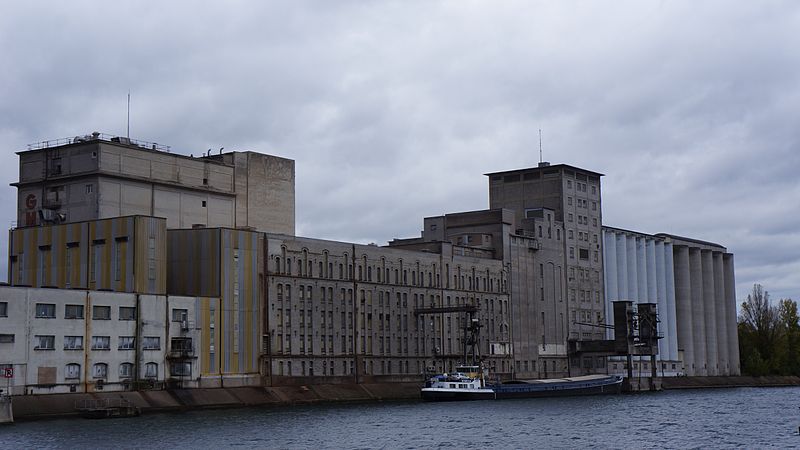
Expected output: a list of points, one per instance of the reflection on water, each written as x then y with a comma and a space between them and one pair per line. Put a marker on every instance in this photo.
746, 417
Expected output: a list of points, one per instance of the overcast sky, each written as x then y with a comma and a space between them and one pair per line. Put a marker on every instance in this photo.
393, 111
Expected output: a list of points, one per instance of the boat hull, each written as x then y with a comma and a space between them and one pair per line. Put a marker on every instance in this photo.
449, 395
540, 388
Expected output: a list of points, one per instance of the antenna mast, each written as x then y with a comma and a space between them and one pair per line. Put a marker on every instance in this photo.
129, 117
540, 146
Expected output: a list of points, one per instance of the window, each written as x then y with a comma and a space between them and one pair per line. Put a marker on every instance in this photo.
44, 342
583, 253
569, 217
151, 343
125, 370
179, 315
6, 338
181, 344
151, 370
100, 370
127, 342
73, 311
101, 312
572, 252
127, 313
89, 188
73, 342
101, 342
204, 204
45, 310
72, 372
180, 369
3, 309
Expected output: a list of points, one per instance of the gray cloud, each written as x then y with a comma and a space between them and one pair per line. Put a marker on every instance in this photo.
394, 110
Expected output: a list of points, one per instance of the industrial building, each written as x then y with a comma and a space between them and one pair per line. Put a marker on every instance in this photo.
203, 249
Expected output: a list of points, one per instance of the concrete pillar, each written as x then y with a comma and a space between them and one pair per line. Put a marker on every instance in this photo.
622, 269
658, 286
683, 308
730, 302
630, 257
698, 312
610, 277
642, 274
669, 282
721, 318
710, 312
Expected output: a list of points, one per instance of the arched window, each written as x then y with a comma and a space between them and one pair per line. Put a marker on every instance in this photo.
125, 370
151, 370
72, 372
100, 370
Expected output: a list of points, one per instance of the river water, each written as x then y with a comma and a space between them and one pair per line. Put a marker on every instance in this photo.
713, 418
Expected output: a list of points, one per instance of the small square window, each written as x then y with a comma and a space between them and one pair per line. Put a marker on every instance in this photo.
204, 203
46, 310
73, 311
151, 343
44, 342
127, 342
127, 313
101, 342
101, 312
179, 315
73, 342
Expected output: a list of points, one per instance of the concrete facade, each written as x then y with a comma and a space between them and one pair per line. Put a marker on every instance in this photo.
575, 197
89, 341
121, 254
347, 310
705, 301
235, 299
639, 268
98, 176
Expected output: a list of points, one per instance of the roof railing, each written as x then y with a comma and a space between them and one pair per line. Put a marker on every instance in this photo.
98, 137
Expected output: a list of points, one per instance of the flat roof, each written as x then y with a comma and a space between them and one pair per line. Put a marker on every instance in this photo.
686, 239
542, 168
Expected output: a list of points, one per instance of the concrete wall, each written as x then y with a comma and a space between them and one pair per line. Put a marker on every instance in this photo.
705, 307
639, 269
162, 340
337, 309
123, 254
226, 264
104, 179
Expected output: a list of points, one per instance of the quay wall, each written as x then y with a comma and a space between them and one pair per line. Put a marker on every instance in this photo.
728, 382
31, 407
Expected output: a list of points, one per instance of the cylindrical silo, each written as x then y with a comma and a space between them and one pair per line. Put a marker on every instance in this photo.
610, 277
730, 302
698, 312
710, 313
721, 315
657, 285
683, 308
672, 326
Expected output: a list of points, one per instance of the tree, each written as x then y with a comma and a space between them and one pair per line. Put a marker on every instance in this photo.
769, 336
